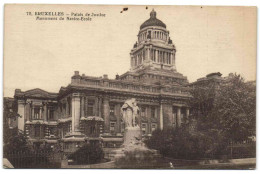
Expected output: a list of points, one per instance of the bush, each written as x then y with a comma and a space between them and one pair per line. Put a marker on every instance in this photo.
180, 144
88, 154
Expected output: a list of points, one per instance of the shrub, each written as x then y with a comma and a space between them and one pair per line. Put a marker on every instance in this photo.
181, 144
88, 154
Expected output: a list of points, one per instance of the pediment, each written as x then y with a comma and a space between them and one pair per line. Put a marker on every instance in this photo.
39, 93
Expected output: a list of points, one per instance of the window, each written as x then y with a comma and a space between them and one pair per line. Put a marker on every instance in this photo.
144, 128
51, 116
66, 129
64, 108
37, 131
153, 113
112, 109
36, 113
92, 129
90, 108
154, 127
174, 115
143, 112
51, 131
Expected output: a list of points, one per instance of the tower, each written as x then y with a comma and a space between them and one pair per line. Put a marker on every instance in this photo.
154, 48
153, 56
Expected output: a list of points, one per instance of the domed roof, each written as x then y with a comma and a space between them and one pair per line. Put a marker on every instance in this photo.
153, 21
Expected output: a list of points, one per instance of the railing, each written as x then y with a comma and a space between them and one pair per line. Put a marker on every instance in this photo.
39, 159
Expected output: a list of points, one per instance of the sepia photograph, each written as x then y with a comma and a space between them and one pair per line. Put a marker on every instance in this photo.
129, 87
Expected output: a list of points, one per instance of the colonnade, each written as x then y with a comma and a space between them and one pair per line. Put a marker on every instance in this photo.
155, 55
160, 56
155, 34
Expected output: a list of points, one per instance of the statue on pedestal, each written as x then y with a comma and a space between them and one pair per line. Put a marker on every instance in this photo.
133, 149
132, 133
130, 112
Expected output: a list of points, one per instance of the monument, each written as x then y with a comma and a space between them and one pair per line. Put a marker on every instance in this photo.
132, 133
133, 152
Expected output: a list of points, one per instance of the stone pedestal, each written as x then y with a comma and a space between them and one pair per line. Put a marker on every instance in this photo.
133, 151
132, 136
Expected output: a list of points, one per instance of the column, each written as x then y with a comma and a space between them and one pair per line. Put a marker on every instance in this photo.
170, 61
32, 113
167, 58
153, 55
96, 107
160, 56
187, 114
21, 119
45, 110
100, 107
171, 57
178, 116
40, 114
82, 107
156, 55
75, 108
106, 114
118, 118
86, 107
148, 55
163, 55
149, 121
27, 111
161, 117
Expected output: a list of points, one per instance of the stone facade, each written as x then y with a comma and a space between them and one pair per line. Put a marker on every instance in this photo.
88, 109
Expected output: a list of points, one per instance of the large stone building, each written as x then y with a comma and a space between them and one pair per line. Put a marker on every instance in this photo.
88, 109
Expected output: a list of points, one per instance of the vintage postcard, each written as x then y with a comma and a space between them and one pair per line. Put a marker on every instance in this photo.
129, 87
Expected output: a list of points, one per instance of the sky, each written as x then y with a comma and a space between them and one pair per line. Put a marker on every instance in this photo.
45, 54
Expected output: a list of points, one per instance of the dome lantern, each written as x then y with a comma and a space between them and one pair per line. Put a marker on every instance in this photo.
152, 21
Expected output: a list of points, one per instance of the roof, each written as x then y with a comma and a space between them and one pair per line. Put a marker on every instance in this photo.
153, 21
35, 93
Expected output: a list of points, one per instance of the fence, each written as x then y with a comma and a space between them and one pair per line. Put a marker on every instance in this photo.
40, 159
50, 159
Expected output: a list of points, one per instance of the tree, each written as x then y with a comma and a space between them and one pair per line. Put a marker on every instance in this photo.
10, 117
15, 144
235, 106
225, 109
